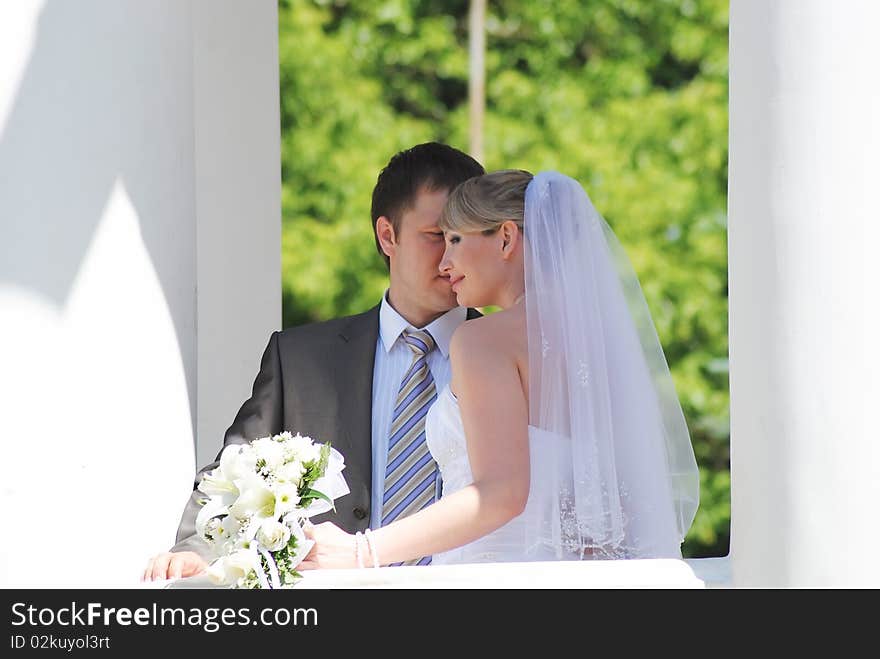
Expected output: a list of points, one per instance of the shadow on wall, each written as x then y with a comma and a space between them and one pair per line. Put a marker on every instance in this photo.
100, 101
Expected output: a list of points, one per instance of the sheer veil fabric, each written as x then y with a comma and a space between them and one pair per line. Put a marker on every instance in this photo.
612, 462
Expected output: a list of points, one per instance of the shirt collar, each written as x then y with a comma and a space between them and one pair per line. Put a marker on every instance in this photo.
392, 324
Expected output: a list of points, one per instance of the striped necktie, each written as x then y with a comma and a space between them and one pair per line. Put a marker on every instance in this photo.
411, 474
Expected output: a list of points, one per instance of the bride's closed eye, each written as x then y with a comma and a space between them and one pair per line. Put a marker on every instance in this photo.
453, 239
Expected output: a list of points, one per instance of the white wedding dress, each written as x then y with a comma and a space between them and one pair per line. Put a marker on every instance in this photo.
522, 538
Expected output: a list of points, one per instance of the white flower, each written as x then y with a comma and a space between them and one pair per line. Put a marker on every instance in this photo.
229, 569
256, 499
304, 449
213, 508
273, 535
215, 484
286, 499
214, 527
235, 462
291, 472
240, 459
270, 451
245, 539
226, 530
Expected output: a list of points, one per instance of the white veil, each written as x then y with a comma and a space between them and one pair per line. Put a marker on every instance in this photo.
622, 479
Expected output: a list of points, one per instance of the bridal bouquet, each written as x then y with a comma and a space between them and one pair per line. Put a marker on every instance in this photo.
258, 500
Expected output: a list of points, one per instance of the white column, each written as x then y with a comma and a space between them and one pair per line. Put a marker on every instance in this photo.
120, 293
238, 204
804, 154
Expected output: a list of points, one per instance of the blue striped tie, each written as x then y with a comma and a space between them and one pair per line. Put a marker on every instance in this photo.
411, 475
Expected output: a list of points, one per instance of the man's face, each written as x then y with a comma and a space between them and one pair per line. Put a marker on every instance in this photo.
416, 281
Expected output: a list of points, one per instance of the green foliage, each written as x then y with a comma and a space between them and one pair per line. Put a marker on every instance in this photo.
314, 471
629, 97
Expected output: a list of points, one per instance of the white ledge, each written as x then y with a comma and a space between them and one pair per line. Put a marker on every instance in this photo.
642, 573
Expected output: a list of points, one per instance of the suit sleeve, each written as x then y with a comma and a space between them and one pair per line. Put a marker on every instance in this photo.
260, 416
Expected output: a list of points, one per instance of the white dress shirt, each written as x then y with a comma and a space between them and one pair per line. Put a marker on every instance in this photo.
393, 358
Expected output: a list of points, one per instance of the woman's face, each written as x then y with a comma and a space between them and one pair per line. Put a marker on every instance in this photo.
473, 262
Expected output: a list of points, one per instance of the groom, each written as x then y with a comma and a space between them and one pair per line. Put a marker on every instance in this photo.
338, 381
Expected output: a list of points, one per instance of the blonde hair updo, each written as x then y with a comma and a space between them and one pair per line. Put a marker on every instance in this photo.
484, 203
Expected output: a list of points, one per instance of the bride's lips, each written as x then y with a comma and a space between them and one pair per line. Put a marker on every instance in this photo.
454, 281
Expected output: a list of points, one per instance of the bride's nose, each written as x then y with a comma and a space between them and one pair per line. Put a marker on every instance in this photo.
445, 264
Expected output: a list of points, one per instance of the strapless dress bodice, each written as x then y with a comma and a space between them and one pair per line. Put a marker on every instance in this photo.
521, 539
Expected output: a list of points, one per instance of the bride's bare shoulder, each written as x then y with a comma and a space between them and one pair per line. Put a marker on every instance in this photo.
491, 334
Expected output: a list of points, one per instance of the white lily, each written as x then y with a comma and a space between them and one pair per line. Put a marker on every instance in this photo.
236, 461
226, 533
229, 569
213, 508
256, 499
216, 485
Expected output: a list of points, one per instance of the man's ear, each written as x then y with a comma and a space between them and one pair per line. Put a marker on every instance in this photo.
385, 234
509, 238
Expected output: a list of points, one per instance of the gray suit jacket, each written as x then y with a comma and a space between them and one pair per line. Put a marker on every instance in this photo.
315, 379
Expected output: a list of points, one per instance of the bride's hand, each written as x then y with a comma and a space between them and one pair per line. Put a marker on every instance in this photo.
334, 548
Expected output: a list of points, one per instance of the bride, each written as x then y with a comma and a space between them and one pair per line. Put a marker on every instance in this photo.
560, 436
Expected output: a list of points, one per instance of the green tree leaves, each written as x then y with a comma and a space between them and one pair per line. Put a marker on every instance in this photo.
629, 97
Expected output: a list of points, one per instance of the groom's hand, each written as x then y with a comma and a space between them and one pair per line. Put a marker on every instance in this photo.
174, 565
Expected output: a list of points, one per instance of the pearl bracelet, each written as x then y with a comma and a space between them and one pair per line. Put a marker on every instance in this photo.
357, 549
371, 544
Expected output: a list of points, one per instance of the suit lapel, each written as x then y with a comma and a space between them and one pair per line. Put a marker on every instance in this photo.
356, 353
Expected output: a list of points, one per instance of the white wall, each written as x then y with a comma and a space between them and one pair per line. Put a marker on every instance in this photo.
803, 217
139, 267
